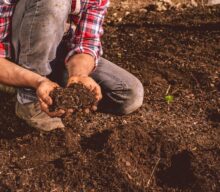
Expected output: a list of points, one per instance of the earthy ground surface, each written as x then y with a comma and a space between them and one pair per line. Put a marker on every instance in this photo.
139, 4
160, 148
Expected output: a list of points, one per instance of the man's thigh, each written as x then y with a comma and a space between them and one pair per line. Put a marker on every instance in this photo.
37, 30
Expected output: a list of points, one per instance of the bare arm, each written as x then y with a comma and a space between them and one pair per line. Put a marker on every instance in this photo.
80, 65
12, 74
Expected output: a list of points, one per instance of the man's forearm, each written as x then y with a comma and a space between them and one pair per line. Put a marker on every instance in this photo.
12, 74
80, 65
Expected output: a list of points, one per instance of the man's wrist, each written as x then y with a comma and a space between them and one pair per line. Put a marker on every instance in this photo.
39, 80
80, 65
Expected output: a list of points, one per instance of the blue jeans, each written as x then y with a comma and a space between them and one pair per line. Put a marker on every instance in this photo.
39, 45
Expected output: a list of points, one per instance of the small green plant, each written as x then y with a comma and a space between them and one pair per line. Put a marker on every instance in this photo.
169, 98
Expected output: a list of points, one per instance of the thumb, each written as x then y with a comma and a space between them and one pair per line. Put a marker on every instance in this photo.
45, 98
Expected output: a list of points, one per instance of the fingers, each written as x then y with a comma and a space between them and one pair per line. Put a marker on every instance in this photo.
45, 108
43, 105
69, 112
98, 92
58, 113
44, 90
44, 96
47, 99
87, 110
94, 108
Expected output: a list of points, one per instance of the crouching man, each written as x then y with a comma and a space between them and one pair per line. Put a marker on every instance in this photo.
39, 51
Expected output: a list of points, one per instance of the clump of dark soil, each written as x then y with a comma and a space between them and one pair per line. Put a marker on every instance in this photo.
162, 147
76, 97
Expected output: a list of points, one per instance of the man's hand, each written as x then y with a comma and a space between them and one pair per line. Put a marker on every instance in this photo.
79, 67
43, 90
89, 83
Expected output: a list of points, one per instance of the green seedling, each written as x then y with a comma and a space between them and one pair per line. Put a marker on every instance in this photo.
169, 98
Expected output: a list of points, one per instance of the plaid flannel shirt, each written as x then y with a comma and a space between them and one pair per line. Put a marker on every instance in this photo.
88, 16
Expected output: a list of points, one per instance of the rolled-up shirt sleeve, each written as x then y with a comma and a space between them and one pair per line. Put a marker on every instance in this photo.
87, 38
6, 11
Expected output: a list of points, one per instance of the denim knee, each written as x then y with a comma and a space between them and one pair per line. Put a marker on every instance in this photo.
135, 97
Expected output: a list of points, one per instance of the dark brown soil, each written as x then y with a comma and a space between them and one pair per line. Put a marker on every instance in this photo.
162, 147
76, 97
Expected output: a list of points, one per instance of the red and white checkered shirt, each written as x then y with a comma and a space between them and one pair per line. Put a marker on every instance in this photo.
88, 16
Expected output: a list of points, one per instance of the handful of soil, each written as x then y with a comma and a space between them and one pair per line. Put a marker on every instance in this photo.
76, 97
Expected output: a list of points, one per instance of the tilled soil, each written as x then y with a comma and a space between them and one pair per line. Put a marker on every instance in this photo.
162, 147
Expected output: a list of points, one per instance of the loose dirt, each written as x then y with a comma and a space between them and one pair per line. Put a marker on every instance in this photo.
162, 147
76, 97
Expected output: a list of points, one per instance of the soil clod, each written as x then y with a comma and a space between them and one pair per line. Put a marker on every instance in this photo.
76, 97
